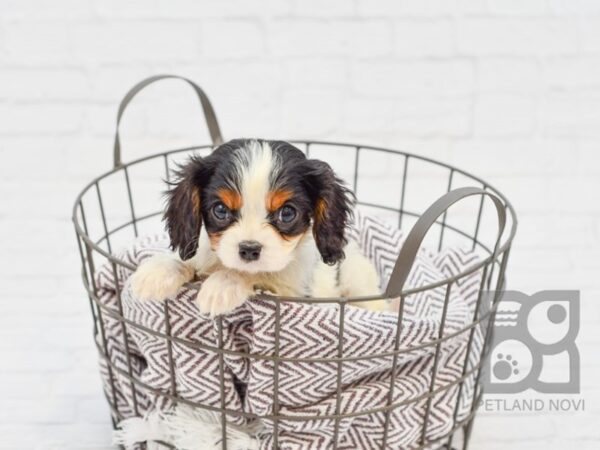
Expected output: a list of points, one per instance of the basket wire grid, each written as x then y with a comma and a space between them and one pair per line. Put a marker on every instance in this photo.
492, 267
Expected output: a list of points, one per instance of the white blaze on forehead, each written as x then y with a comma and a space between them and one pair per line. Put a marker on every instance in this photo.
257, 169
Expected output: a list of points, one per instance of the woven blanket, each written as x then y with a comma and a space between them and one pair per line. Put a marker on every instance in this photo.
306, 388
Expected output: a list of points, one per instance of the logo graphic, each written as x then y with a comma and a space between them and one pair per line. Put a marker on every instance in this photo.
533, 343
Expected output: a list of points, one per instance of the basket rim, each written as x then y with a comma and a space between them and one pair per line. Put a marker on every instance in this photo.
502, 250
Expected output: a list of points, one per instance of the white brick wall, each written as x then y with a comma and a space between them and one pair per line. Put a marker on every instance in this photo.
508, 89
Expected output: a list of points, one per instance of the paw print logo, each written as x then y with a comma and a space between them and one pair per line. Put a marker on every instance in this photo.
530, 332
510, 364
505, 367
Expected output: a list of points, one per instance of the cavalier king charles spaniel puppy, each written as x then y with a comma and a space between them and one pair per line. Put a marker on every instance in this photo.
274, 221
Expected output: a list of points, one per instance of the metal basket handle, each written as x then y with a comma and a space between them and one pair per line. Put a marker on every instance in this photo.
413, 242
209, 112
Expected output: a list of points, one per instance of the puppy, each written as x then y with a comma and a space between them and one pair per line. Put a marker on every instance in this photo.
274, 221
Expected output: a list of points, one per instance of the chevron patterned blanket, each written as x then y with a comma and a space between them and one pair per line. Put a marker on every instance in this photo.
307, 388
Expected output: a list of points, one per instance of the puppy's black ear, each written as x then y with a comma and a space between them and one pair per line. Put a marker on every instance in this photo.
332, 209
183, 215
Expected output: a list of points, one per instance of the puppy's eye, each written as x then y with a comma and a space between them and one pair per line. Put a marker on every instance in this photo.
221, 212
287, 214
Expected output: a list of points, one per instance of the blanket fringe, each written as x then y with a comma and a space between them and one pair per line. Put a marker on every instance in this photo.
137, 429
185, 428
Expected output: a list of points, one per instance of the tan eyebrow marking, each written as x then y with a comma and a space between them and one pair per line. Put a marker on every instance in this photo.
276, 199
231, 199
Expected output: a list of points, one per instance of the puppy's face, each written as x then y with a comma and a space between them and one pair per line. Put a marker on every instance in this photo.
256, 209
257, 199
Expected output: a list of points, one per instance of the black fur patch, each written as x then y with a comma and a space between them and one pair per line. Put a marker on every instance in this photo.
183, 215
332, 206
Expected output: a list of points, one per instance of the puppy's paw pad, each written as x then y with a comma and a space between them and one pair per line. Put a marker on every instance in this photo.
222, 292
160, 277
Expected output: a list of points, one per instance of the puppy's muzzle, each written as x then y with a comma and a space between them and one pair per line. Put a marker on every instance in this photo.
250, 250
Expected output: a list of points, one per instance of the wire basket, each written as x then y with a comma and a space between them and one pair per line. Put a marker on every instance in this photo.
101, 226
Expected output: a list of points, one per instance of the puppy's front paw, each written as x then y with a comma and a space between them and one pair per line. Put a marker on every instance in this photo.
160, 277
222, 292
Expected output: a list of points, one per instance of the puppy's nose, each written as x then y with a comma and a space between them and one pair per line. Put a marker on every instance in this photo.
250, 250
